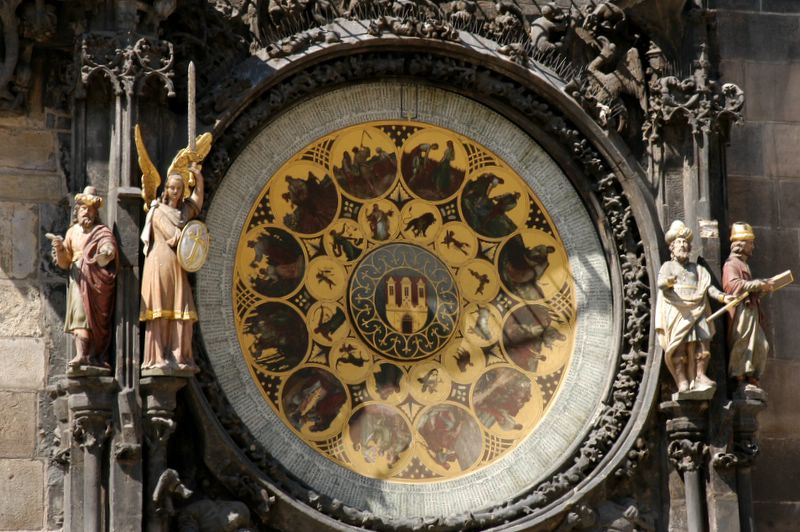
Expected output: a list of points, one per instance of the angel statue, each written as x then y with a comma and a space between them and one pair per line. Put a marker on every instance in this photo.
167, 305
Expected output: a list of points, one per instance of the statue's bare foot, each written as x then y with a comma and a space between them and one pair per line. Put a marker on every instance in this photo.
701, 382
683, 386
80, 360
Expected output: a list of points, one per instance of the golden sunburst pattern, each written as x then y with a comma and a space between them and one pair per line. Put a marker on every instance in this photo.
404, 301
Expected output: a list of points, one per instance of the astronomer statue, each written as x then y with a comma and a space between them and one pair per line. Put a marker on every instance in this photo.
747, 341
89, 252
681, 311
167, 304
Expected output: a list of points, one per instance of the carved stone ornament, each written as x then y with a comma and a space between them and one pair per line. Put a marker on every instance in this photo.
687, 455
410, 27
90, 431
157, 430
624, 393
21, 28
125, 63
697, 100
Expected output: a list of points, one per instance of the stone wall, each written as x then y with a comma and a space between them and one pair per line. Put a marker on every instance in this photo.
760, 51
32, 186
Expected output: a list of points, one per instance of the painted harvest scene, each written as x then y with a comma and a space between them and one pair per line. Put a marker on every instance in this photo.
403, 301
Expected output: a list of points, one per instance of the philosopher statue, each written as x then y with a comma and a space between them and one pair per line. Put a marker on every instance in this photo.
89, 252
681, 311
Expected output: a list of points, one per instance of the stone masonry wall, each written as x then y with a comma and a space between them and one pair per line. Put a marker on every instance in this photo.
760, 51
32, 186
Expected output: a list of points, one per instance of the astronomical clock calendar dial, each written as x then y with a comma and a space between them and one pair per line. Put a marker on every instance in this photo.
403, 301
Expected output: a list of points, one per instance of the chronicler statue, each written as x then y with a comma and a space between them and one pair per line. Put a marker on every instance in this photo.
682, 309
89, 252
746, 339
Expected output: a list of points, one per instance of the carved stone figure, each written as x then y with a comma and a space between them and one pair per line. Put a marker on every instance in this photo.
203, 515
547, 31
167, 303
214, 516
681, 311
746, 338
89, 252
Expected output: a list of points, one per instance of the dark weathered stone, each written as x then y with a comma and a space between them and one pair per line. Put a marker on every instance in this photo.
777, 516
780, 419
752, 199
772, 90
780, 6
783, 321
759, 37
771, 480
748, 5
776, 251
745, 156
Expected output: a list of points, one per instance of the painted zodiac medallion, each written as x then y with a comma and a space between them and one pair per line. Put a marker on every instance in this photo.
403, 301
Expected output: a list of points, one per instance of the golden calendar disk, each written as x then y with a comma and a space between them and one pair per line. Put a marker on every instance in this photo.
406, 308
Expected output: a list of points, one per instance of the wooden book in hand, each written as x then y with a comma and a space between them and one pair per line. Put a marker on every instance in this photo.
782, 279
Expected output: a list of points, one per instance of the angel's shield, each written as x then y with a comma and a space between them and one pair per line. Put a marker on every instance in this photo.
193, 245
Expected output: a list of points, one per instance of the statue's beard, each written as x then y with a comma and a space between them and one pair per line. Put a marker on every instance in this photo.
86, 222
681, 255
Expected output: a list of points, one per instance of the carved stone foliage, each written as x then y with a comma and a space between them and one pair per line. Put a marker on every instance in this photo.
695, 100
687, 455
617, 409
126, 63
90, 431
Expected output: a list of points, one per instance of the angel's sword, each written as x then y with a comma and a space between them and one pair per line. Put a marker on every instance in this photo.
192, 124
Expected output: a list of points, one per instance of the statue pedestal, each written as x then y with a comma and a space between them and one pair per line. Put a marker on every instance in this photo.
746, 407
88, 371
687, 427
704, 394
90, 401
181, 373
159, 394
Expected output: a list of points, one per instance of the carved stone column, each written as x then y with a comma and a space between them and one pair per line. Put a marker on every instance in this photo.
687, 426
745, 426
688, 124
90, 404
124, 60
159, 395
721, 493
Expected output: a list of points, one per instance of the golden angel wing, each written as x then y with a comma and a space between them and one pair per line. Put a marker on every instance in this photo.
180, 164
150, 176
